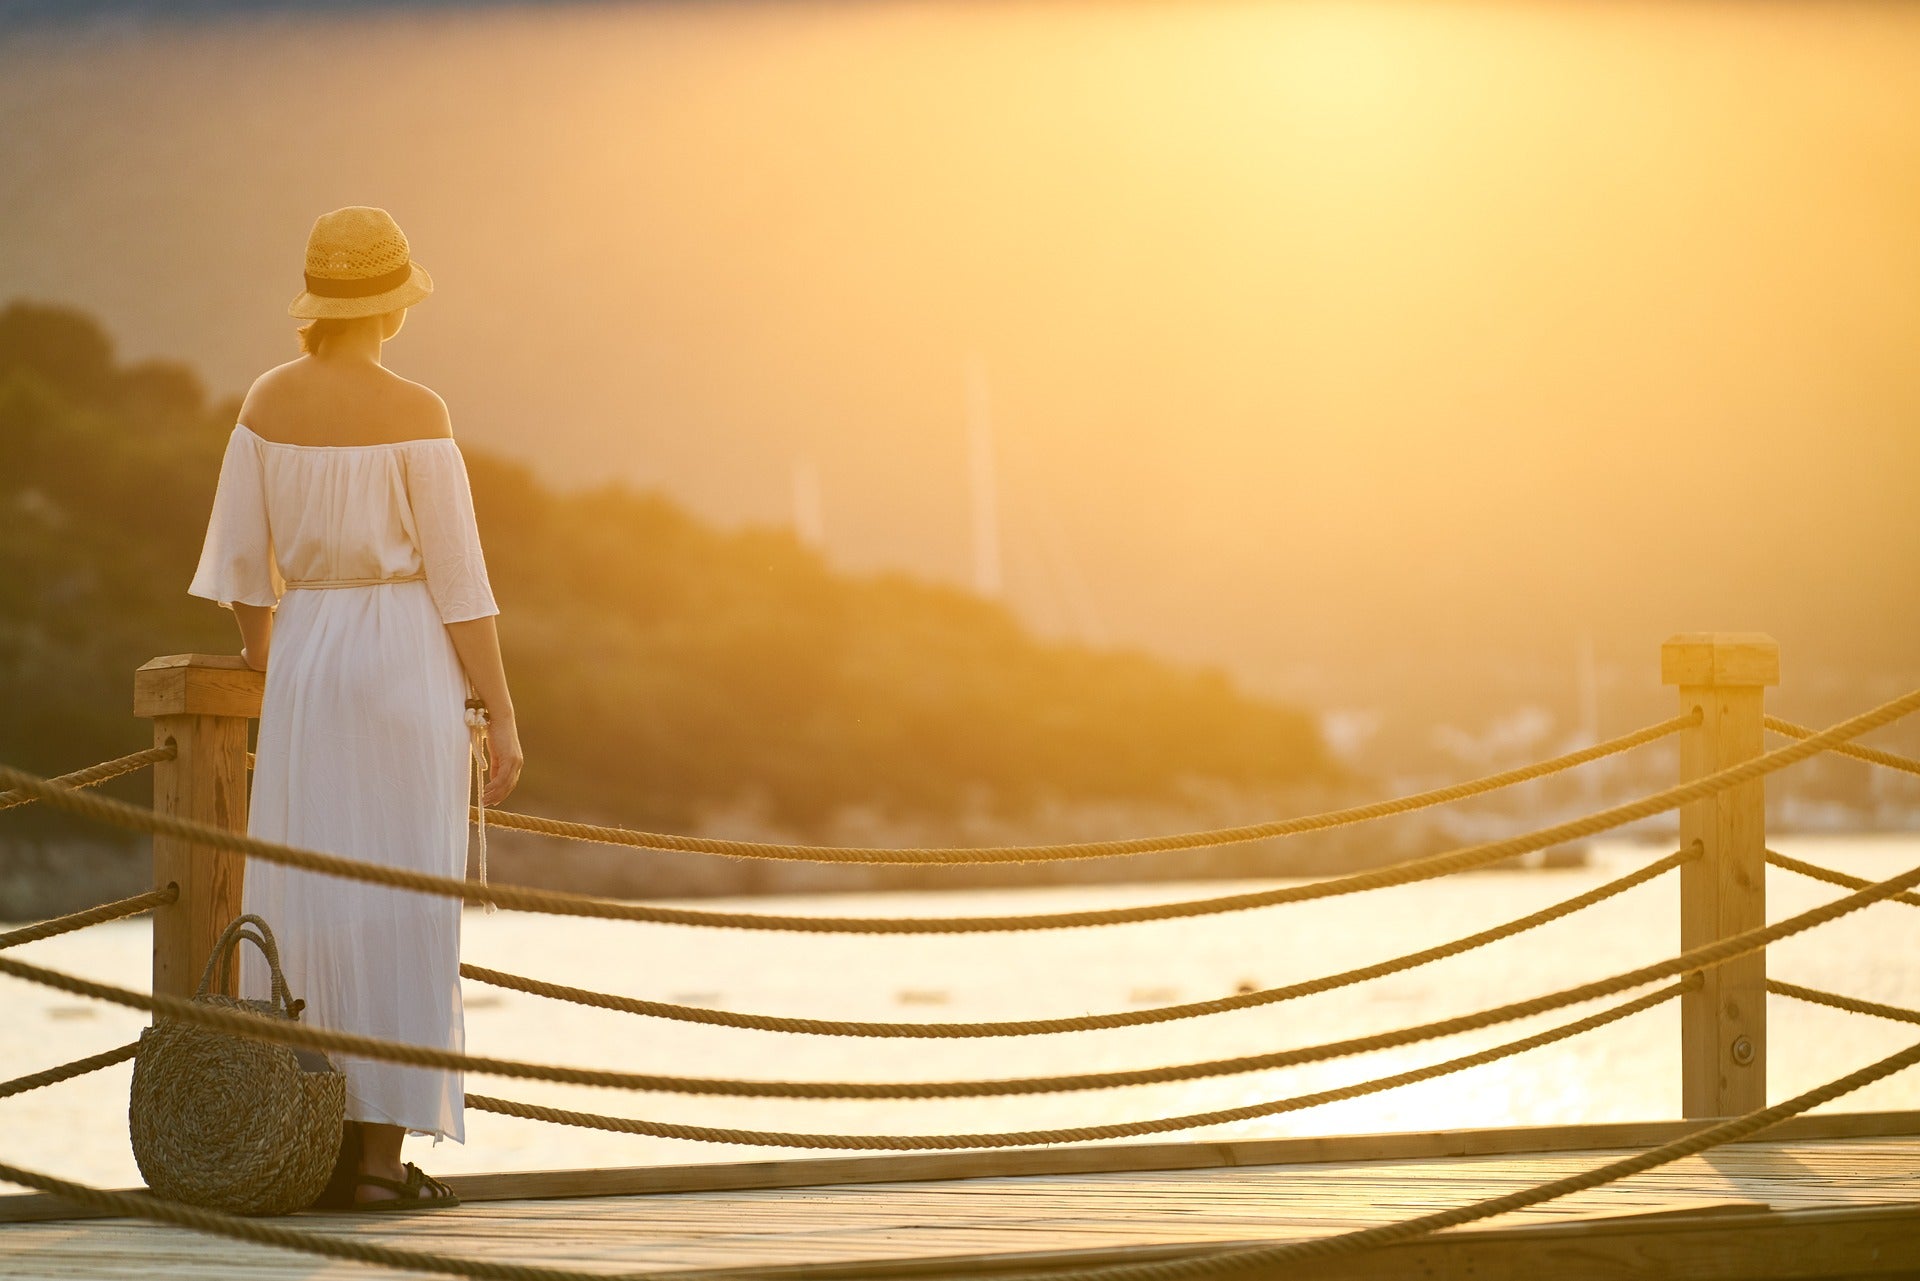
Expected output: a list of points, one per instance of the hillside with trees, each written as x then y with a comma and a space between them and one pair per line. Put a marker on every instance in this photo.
666, 670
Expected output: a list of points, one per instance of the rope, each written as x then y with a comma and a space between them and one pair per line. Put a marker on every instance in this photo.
67, 1071
1905, 764
477, 722
1088, 849
1854, 1005
1831, 876
1078, 1134
94, 774
1087, 1022
114, 911
288, 1032
105, 809
130, 1205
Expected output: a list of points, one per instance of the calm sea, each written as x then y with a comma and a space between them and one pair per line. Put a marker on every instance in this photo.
1623, 1072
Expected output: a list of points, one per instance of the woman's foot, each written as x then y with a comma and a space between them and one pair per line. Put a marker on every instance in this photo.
414, 1189
384, 1183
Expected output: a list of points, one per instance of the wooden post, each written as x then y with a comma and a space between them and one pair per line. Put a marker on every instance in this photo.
1723, 1026
200, 703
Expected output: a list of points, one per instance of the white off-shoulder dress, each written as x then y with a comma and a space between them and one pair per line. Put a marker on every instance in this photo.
367, 551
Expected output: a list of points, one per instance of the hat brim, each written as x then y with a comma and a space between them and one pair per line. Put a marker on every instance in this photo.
309, 306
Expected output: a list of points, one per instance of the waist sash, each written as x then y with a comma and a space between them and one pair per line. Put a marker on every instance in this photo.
322, 584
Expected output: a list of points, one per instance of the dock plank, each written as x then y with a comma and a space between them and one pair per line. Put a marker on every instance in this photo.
983, 1224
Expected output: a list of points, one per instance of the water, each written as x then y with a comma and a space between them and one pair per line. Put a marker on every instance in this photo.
1628, 1071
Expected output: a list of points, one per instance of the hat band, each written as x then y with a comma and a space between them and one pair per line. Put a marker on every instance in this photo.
361, 286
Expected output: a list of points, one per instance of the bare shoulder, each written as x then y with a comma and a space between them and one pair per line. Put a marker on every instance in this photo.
426, 414
265, 390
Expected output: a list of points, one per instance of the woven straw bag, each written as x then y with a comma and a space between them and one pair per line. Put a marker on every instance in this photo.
230, 1122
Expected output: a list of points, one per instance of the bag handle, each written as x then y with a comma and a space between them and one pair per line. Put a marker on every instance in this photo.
262, 938
248, 933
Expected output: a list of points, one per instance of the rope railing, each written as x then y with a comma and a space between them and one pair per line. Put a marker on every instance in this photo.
1085, 1022
291, 1033
67, 1071
1788, 729
1685, 966
117, 910
1073, 1134
1851, 1004
359, 1250
965, 855
94, 775
1831, 876
105, 809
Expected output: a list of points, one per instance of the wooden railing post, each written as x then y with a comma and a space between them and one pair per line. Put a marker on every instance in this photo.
1723, 1025
200, 703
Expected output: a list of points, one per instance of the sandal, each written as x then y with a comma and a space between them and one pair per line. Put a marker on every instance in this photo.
420, 1191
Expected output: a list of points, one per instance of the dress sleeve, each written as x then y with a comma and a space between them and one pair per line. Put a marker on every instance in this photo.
236, 561
449, 536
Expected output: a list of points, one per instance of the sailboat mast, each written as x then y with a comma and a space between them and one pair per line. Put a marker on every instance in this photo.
986, 498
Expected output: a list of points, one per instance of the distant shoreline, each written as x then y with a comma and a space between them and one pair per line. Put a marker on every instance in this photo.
43, 878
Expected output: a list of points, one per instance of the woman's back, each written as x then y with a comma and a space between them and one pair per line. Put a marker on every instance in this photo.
315, 401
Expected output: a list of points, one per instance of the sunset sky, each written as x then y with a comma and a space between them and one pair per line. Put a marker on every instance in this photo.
1345, 345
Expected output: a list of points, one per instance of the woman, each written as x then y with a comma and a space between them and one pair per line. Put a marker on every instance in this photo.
343, 539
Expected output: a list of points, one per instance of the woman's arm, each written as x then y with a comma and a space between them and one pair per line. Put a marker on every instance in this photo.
256, 633
477, 642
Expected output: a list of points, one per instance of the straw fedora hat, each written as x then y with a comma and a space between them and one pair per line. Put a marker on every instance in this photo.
358, 264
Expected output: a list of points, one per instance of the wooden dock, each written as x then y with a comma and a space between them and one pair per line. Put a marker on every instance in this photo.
1828, 1196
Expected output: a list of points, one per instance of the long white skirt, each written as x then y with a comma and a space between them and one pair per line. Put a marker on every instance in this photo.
363, 752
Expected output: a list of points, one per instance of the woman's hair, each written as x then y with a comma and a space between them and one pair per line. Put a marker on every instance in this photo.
314, 334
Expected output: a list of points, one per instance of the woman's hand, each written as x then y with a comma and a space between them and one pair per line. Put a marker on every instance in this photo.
504, 760
477, 643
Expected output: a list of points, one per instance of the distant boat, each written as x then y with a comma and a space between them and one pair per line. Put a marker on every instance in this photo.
1559, 858
1563, 856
